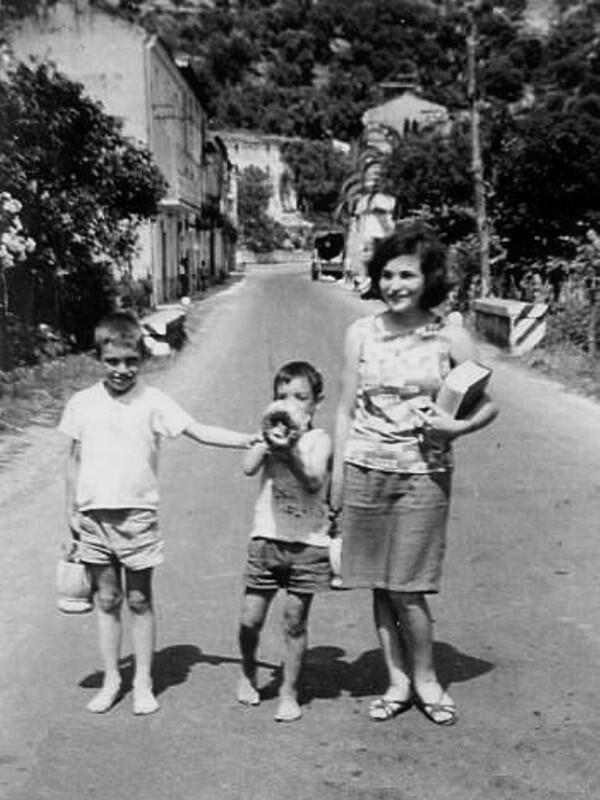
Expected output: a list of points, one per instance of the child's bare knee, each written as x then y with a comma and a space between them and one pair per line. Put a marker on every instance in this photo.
138, 602
109, 601
251, 623
294, 626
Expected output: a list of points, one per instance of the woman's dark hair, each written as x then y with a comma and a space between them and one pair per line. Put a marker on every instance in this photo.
413, 238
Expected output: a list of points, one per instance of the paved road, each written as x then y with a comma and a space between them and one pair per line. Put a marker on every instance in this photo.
518, 621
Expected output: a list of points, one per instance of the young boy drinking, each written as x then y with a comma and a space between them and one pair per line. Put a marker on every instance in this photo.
289, 541
115, 427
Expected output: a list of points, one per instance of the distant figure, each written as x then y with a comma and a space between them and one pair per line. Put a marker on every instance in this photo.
289, 541
184, 277
115, 428
202, 276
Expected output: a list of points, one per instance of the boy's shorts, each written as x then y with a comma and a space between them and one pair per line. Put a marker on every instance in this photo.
297, 567
128, 535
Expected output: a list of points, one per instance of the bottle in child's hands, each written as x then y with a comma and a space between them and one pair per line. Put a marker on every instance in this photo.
282, 424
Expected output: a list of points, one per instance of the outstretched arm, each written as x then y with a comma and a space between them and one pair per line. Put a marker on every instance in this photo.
217, 436
254, 458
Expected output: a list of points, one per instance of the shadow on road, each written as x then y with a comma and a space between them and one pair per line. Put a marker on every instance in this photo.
172, 666
326, 674
455, 667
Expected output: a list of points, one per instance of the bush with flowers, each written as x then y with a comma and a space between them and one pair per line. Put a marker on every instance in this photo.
14, 244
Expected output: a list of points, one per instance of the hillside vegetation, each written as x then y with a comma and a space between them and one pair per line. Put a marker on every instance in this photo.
310, 68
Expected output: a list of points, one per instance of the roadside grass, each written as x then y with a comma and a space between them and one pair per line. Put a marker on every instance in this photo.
570, 366
36, 395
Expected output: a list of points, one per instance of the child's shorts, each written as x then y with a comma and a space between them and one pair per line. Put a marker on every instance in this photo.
128, 535
297, 567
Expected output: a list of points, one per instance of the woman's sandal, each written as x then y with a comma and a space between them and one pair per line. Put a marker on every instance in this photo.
439, 713
382, 709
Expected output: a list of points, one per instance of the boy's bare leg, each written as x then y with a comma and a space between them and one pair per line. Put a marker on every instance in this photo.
295, 615
107, 580
143, 634
254, 610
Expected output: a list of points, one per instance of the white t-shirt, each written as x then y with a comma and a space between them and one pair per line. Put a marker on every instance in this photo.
120, 439
285, 510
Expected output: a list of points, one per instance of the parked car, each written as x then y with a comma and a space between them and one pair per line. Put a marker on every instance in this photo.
328, 254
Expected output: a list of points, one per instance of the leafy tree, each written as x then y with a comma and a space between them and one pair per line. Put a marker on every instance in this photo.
14, 247
84, 188
11, 10
259, 231
548, 177
318, 171
433, 172
310, 69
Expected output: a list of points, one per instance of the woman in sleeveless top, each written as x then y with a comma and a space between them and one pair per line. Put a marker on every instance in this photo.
393, 461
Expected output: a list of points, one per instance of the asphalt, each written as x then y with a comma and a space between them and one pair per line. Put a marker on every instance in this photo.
517, 621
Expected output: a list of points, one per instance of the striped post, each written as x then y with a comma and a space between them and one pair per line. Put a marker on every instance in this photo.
512, 324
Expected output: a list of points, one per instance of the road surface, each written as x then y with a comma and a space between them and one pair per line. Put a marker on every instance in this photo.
517, 622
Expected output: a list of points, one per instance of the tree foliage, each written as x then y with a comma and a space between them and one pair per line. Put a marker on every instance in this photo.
433, 172
547, 177
259, 231
318, 170
311, 69
84, 188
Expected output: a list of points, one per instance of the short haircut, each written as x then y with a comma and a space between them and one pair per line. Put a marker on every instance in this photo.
120, 328
299, 369
413, 238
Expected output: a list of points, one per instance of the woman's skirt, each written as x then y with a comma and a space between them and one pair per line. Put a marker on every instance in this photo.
394, 529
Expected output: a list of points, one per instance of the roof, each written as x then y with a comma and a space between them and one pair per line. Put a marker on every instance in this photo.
409, 106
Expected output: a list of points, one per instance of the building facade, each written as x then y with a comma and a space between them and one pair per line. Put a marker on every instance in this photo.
401, 113
137, 80
251, 149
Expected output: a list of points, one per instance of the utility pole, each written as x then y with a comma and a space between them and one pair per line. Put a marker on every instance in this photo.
483, 234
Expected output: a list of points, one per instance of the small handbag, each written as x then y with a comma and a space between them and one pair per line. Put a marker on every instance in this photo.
73, 582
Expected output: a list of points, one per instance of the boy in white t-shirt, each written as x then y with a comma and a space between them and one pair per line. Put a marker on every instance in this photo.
289, 541
115, 427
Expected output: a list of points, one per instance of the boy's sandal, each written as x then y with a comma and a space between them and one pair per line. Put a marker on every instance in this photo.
438, 713
382, 709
